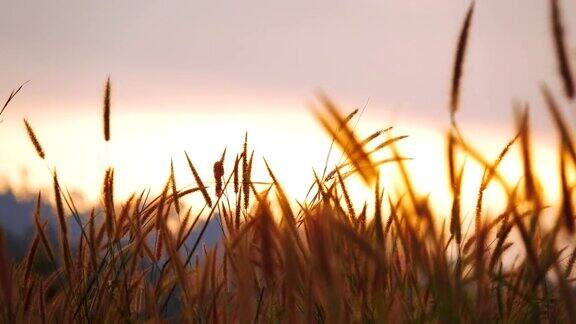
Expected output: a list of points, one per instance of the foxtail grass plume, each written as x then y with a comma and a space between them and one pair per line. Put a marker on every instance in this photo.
459, 61
65, 245
174, 187
567, 211
106, 113
199, 181
34, 140
560, 123
218, 170
340, 131
456, 187
245, 173
561, 50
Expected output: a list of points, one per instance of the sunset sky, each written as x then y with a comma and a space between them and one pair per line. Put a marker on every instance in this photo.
196, 75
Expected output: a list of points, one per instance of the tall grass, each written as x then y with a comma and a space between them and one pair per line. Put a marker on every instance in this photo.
326, 261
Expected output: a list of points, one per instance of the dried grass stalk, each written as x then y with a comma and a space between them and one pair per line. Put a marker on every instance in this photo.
561, 50
174, 187
34, 140
245, 173
106, 113
65, 245
199, 181
218, 170
459, 61
567, 211
108, 197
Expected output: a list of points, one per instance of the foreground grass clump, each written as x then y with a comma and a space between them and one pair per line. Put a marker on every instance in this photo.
326, 261
329, 260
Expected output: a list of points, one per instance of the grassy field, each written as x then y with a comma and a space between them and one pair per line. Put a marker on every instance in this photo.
328, 260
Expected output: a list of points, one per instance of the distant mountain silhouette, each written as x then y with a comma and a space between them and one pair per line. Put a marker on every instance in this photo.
16, 215
16, 221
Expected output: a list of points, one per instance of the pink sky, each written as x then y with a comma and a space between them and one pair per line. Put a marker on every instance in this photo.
239, 60
179, 53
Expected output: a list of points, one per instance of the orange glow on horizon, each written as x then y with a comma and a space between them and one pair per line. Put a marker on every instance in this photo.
293, 144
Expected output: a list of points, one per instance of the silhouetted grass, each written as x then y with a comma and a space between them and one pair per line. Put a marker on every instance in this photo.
390, 260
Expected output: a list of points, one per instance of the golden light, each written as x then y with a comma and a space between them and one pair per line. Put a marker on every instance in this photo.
294, 145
